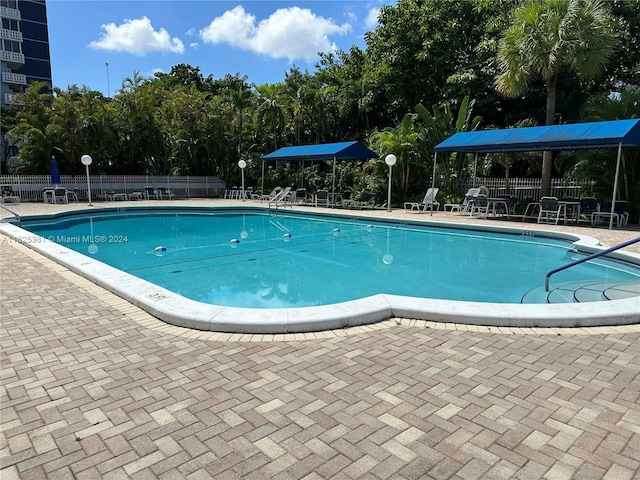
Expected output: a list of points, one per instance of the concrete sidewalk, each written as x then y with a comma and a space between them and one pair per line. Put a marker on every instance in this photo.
93, 387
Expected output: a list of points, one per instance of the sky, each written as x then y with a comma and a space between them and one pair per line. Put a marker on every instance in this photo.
100, 43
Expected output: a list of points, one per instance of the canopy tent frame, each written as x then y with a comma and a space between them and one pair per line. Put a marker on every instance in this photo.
321, 152
580, 136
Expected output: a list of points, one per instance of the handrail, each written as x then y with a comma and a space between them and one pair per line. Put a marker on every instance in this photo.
585, 259
12, 213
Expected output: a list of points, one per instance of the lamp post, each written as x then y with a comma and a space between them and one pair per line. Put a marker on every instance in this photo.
86, 161
391, 161
242, 164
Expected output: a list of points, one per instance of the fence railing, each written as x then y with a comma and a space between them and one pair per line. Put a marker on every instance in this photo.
30, 187
528, 189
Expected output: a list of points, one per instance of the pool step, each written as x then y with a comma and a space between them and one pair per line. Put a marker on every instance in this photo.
575, 292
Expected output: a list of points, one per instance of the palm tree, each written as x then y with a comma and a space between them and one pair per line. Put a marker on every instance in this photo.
238, 100
549, 37
440, 124
134, 82
401, 141
271, 109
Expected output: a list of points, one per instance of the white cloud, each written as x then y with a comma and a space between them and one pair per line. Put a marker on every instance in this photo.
137, 37
291, 33
372, 18
194, 45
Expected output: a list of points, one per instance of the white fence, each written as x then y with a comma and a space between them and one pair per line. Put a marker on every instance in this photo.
30, 187
529, 188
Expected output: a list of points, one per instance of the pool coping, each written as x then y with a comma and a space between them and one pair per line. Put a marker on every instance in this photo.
180, 311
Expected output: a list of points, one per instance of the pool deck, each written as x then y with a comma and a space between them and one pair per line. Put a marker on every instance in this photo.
94, 387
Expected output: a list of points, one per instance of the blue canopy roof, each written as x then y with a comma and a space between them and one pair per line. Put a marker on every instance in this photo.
325, 151
578, 136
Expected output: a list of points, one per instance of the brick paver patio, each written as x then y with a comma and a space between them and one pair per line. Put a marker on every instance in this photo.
93, 387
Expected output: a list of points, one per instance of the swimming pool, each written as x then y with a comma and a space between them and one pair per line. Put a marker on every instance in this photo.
249, 270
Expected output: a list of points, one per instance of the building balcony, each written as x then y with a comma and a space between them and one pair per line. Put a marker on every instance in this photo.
9, 98
14, 78
12, 13
12, 58
12, 35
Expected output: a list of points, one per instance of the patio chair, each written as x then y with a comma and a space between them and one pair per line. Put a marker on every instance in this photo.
322, 198
343, 199
60, 195
163, 192
281, 199
150, 192
478, 203
231, 193
429, 202
589, 206
366, 201
268, 197
551, 211
301, 195
506, 205
8, 195
620, 213
464, 206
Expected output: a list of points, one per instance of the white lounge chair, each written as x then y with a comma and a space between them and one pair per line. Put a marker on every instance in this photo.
281, 199
465, 205
268, 197
620, 214
8, 195
429, 202
367, 200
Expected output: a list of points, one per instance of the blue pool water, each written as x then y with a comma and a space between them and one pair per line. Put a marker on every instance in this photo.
255, 259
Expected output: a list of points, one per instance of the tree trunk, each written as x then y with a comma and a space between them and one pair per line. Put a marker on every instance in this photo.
547, 157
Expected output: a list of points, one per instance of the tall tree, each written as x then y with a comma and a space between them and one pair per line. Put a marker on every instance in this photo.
270, 111
432, 51
547, 38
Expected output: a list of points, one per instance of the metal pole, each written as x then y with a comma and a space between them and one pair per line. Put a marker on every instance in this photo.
244, 197
433, 178
333, 187
475, 169
389, 192
615, 187
88, 186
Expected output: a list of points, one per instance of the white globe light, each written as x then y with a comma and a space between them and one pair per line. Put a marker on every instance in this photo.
242, 164
390, 160
86, 159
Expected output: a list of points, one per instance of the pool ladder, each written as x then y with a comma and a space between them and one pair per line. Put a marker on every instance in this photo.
585, 259
17, 220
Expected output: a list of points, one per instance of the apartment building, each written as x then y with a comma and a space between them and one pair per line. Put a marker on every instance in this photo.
24, 50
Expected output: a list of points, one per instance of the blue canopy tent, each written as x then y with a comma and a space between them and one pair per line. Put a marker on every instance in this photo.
324, 151
580, 136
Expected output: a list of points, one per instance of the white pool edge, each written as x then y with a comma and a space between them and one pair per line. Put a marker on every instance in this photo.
180, 311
